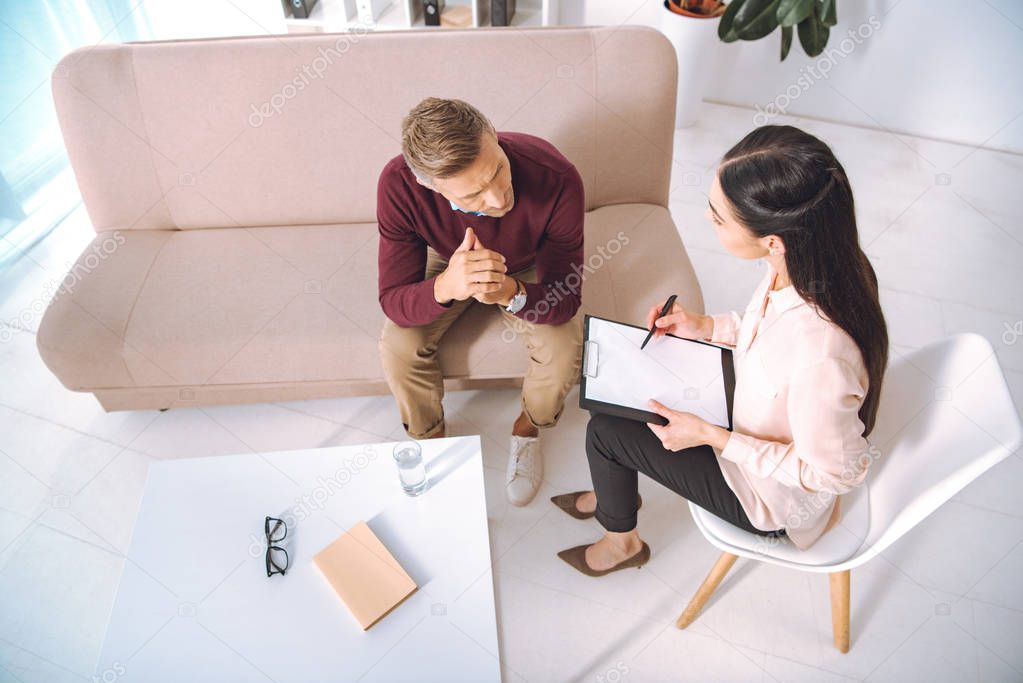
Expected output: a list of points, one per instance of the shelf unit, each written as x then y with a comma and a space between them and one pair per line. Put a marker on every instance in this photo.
334, 16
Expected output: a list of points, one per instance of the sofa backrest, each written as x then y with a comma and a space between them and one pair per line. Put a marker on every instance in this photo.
294, 129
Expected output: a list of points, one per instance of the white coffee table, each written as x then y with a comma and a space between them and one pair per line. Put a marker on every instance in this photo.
194, 602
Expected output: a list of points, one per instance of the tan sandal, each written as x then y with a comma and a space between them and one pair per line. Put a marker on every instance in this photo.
577, 558
566, 501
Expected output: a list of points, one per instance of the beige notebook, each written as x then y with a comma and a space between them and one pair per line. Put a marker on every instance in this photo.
366, 576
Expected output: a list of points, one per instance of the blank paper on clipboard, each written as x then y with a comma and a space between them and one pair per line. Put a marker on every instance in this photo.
686, 375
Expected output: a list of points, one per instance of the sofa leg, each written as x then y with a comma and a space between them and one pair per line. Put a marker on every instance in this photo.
840, 609
703, 593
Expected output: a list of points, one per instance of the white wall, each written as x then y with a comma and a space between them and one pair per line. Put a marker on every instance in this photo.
934, 68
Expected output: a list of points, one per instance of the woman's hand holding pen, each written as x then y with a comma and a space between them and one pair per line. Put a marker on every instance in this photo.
679, 322
685, 430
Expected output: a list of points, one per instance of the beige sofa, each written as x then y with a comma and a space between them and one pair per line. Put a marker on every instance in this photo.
232, 186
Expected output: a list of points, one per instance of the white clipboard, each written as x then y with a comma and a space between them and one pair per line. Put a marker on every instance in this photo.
619, 378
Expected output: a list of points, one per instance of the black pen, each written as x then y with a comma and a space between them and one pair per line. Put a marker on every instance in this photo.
664, 312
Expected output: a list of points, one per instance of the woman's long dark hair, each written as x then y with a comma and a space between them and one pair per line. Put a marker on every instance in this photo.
780, 180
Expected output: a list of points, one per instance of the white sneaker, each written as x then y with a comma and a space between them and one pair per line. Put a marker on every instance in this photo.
525, 469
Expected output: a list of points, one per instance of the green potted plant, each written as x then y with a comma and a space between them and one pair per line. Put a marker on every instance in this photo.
691, 24
754, 19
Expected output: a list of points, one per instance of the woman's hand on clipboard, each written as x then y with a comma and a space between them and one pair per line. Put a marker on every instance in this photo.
685, 430
680, 323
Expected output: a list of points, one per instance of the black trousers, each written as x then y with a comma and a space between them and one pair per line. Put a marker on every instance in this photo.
619, 449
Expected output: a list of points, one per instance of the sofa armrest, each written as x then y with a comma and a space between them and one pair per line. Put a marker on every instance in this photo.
81, 335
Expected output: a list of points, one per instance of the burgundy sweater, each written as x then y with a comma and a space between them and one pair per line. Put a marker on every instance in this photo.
544, 228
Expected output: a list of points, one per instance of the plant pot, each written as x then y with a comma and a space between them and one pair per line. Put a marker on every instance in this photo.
695, 38
677, 9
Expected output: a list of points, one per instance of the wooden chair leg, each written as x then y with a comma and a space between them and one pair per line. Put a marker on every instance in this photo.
703, 593
840, 609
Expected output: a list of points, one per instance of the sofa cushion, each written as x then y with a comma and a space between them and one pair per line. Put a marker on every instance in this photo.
299, 303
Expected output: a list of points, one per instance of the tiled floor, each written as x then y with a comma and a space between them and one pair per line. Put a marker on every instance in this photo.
943, 225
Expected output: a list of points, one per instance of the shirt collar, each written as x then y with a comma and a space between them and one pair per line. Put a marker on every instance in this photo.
782, 299
458, 208
786, 298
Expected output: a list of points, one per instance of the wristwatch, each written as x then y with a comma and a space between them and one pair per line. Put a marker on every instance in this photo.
519, 300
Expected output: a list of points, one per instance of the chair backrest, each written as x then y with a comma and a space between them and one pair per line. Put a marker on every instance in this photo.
294, 130
946, 417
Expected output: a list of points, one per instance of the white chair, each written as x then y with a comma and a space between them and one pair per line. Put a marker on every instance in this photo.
946, 417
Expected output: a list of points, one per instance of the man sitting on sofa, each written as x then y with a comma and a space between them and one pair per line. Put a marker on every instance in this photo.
467, 214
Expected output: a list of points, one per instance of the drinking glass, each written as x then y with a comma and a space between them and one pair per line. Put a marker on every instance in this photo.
411, 471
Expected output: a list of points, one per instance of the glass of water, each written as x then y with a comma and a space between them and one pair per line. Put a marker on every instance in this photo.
411, 471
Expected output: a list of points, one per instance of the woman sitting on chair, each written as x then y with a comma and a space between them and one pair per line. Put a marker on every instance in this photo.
809, 352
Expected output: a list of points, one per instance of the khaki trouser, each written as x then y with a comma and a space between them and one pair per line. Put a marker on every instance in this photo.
409, 358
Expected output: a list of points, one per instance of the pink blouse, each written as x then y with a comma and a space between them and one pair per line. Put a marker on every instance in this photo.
797, 442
